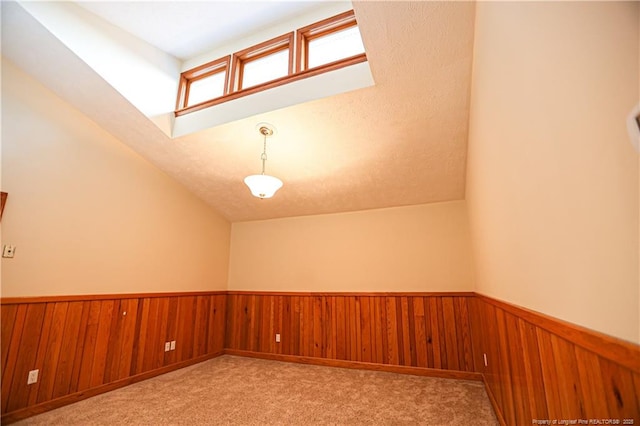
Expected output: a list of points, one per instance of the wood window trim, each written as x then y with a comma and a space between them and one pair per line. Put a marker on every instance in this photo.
258, 51
295, 41
275, 83
200, 72
320, 29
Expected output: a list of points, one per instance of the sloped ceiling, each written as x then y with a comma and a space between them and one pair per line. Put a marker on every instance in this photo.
400, 142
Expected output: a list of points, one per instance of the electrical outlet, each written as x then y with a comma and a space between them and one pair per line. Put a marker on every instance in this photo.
277, 338
8, 251
173, 345
485, 360
167, 346
33, 377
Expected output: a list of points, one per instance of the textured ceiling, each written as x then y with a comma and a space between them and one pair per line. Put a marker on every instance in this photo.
400, 142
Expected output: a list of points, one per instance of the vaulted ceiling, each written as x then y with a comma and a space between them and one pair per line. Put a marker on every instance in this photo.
400, 142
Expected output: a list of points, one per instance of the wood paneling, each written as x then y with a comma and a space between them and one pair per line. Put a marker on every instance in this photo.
417, 331
80, 345
540, 368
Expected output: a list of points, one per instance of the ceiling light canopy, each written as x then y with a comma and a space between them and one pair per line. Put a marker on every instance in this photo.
262, 185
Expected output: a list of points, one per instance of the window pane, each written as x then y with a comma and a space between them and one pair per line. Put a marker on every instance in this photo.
265, 69
335, 46
206, 88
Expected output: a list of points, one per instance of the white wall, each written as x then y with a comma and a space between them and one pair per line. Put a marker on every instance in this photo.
552, 180
415, 248
90, 216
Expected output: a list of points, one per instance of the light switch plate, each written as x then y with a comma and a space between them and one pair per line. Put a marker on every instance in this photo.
8, 251
167, 346
173, 345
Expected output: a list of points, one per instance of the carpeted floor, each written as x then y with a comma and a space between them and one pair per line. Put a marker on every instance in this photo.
244, 391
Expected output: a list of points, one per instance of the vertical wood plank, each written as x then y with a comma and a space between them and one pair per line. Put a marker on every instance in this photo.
353, 327
379, 330
199, 328
318, 346
265, 331
420, 332
75, 371
568, 379
102, 342
67, 354
231, 324
88, 356
406, 331
399, 325
533, 370
436, 338
54, 345
8, 318
429, 332
412, 332
504, 366
12, 355
549, 374
463, 331
19, 394
279, 303
356, 353
140, 342
251, 323
42, 351
332, 338
622, 401
515, 350
340, 328
591, 384
449, 327
217, 323
130, 306
171, 328
114, 345
154, 346
392, 331
365, 330
290, 334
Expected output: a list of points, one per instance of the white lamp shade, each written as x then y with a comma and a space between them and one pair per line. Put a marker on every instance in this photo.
263, 186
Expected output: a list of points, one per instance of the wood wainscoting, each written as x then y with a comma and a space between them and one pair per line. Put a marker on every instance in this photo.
428, 330
541, 368
85, 345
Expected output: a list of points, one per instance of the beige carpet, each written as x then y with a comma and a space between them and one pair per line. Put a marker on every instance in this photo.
245, 391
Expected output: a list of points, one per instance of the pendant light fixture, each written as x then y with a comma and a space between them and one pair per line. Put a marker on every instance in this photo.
262, 185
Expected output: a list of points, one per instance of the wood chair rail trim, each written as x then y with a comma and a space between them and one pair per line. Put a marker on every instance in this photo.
617, 350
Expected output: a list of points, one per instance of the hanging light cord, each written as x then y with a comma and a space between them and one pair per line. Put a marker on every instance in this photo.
264, 152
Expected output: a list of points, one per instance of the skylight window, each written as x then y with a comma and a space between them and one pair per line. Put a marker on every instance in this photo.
206, 88
265, 69
334, 46
203, 83
321, 47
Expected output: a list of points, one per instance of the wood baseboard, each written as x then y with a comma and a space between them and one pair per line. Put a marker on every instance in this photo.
358, 365
14, 416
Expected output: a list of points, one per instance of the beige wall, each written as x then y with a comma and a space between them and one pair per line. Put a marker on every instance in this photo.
88, 215
552, 181
416, 248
